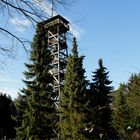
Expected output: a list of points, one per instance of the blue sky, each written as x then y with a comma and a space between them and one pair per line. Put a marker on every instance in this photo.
107, 29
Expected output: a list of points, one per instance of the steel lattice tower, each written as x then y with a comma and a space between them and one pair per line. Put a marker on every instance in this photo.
57, 28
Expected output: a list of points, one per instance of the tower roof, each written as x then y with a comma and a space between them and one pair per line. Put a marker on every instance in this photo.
54, 21
57, 17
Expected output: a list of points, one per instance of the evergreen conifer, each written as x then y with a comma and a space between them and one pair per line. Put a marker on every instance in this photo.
7, 124
100, 90
71, 106
36, 102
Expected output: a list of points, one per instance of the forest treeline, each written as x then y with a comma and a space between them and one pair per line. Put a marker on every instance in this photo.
86, 109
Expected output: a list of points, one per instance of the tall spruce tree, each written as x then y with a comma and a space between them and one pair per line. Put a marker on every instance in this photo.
126, 107
134, 95
100, 90
71, 105
36, 102
7, 124
122, 114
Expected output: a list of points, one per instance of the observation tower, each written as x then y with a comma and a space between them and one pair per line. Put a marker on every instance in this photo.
56, 28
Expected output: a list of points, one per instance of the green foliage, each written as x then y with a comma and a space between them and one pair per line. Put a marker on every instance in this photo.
99, 102
126, 107
121, 112
7, 124
72, 98
36, 102
134, 95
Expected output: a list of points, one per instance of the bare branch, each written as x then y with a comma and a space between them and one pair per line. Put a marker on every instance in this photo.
27, 9
21, 41
17, 8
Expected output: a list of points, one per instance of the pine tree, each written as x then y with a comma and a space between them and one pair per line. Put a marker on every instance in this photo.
7, 124
134, 94
71, 106
126, 107
122, 113
36, 102
133, 100
100, 90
